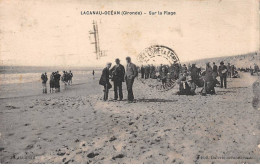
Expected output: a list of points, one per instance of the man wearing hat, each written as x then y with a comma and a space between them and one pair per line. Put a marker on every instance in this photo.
104, 81
223, 74
194, 73
131, 73
118, 74
215, 71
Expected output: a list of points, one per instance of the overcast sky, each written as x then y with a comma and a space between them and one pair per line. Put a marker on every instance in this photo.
46, 33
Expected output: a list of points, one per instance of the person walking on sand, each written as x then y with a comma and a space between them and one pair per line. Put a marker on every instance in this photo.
223, 74
131, 73
44, 81
93, 73
104, 81
118, 74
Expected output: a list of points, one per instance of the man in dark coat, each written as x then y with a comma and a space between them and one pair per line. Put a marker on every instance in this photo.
131, 73
147, 72
215, 70
57, 81
142, 71
44, 81
223, 74
194, 73
118, 74
104, 81
229, 70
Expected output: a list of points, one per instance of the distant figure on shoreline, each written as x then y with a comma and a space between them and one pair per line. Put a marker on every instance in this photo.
57, 81
52, 81
44, 81
67, 78
131, 73
70, 77
104, 81
93, 73
118, 74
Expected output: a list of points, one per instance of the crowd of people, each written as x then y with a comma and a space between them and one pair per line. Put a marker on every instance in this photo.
55, 78
253, 70
189, 77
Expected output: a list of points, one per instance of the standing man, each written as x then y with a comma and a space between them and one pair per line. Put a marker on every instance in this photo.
194, 73
118, 74
215, 71
147, 71
131, 73
223, 74
229, 70
104, 81
44, 81
142, 71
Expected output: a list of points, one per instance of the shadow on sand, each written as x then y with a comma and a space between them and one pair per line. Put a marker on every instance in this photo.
155, 100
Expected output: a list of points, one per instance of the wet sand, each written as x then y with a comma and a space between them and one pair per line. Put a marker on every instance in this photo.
76, 126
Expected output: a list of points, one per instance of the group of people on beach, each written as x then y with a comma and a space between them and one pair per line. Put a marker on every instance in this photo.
187, 77
55, 78
190, 77
119, 74
193, 77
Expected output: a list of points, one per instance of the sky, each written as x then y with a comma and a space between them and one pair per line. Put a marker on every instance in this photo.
47, 33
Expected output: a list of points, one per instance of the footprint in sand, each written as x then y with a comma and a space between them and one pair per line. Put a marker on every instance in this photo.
112, 139
92, 155
30, 146
118, 156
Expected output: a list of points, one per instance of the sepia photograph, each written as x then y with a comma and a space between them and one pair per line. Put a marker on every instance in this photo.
129, 82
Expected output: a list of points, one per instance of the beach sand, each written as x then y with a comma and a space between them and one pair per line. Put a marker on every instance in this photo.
76, 126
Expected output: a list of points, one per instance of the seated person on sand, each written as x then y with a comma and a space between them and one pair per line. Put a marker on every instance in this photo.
186, 85
235, 75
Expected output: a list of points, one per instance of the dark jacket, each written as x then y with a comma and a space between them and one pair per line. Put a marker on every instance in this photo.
222, 70
194, 73
208, 75
44, 78
118, 73
104, 79
215, 68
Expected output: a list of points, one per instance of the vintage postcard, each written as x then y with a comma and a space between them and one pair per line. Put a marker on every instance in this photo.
129, 82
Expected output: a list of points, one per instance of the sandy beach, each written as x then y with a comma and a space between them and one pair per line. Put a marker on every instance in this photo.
76, 126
